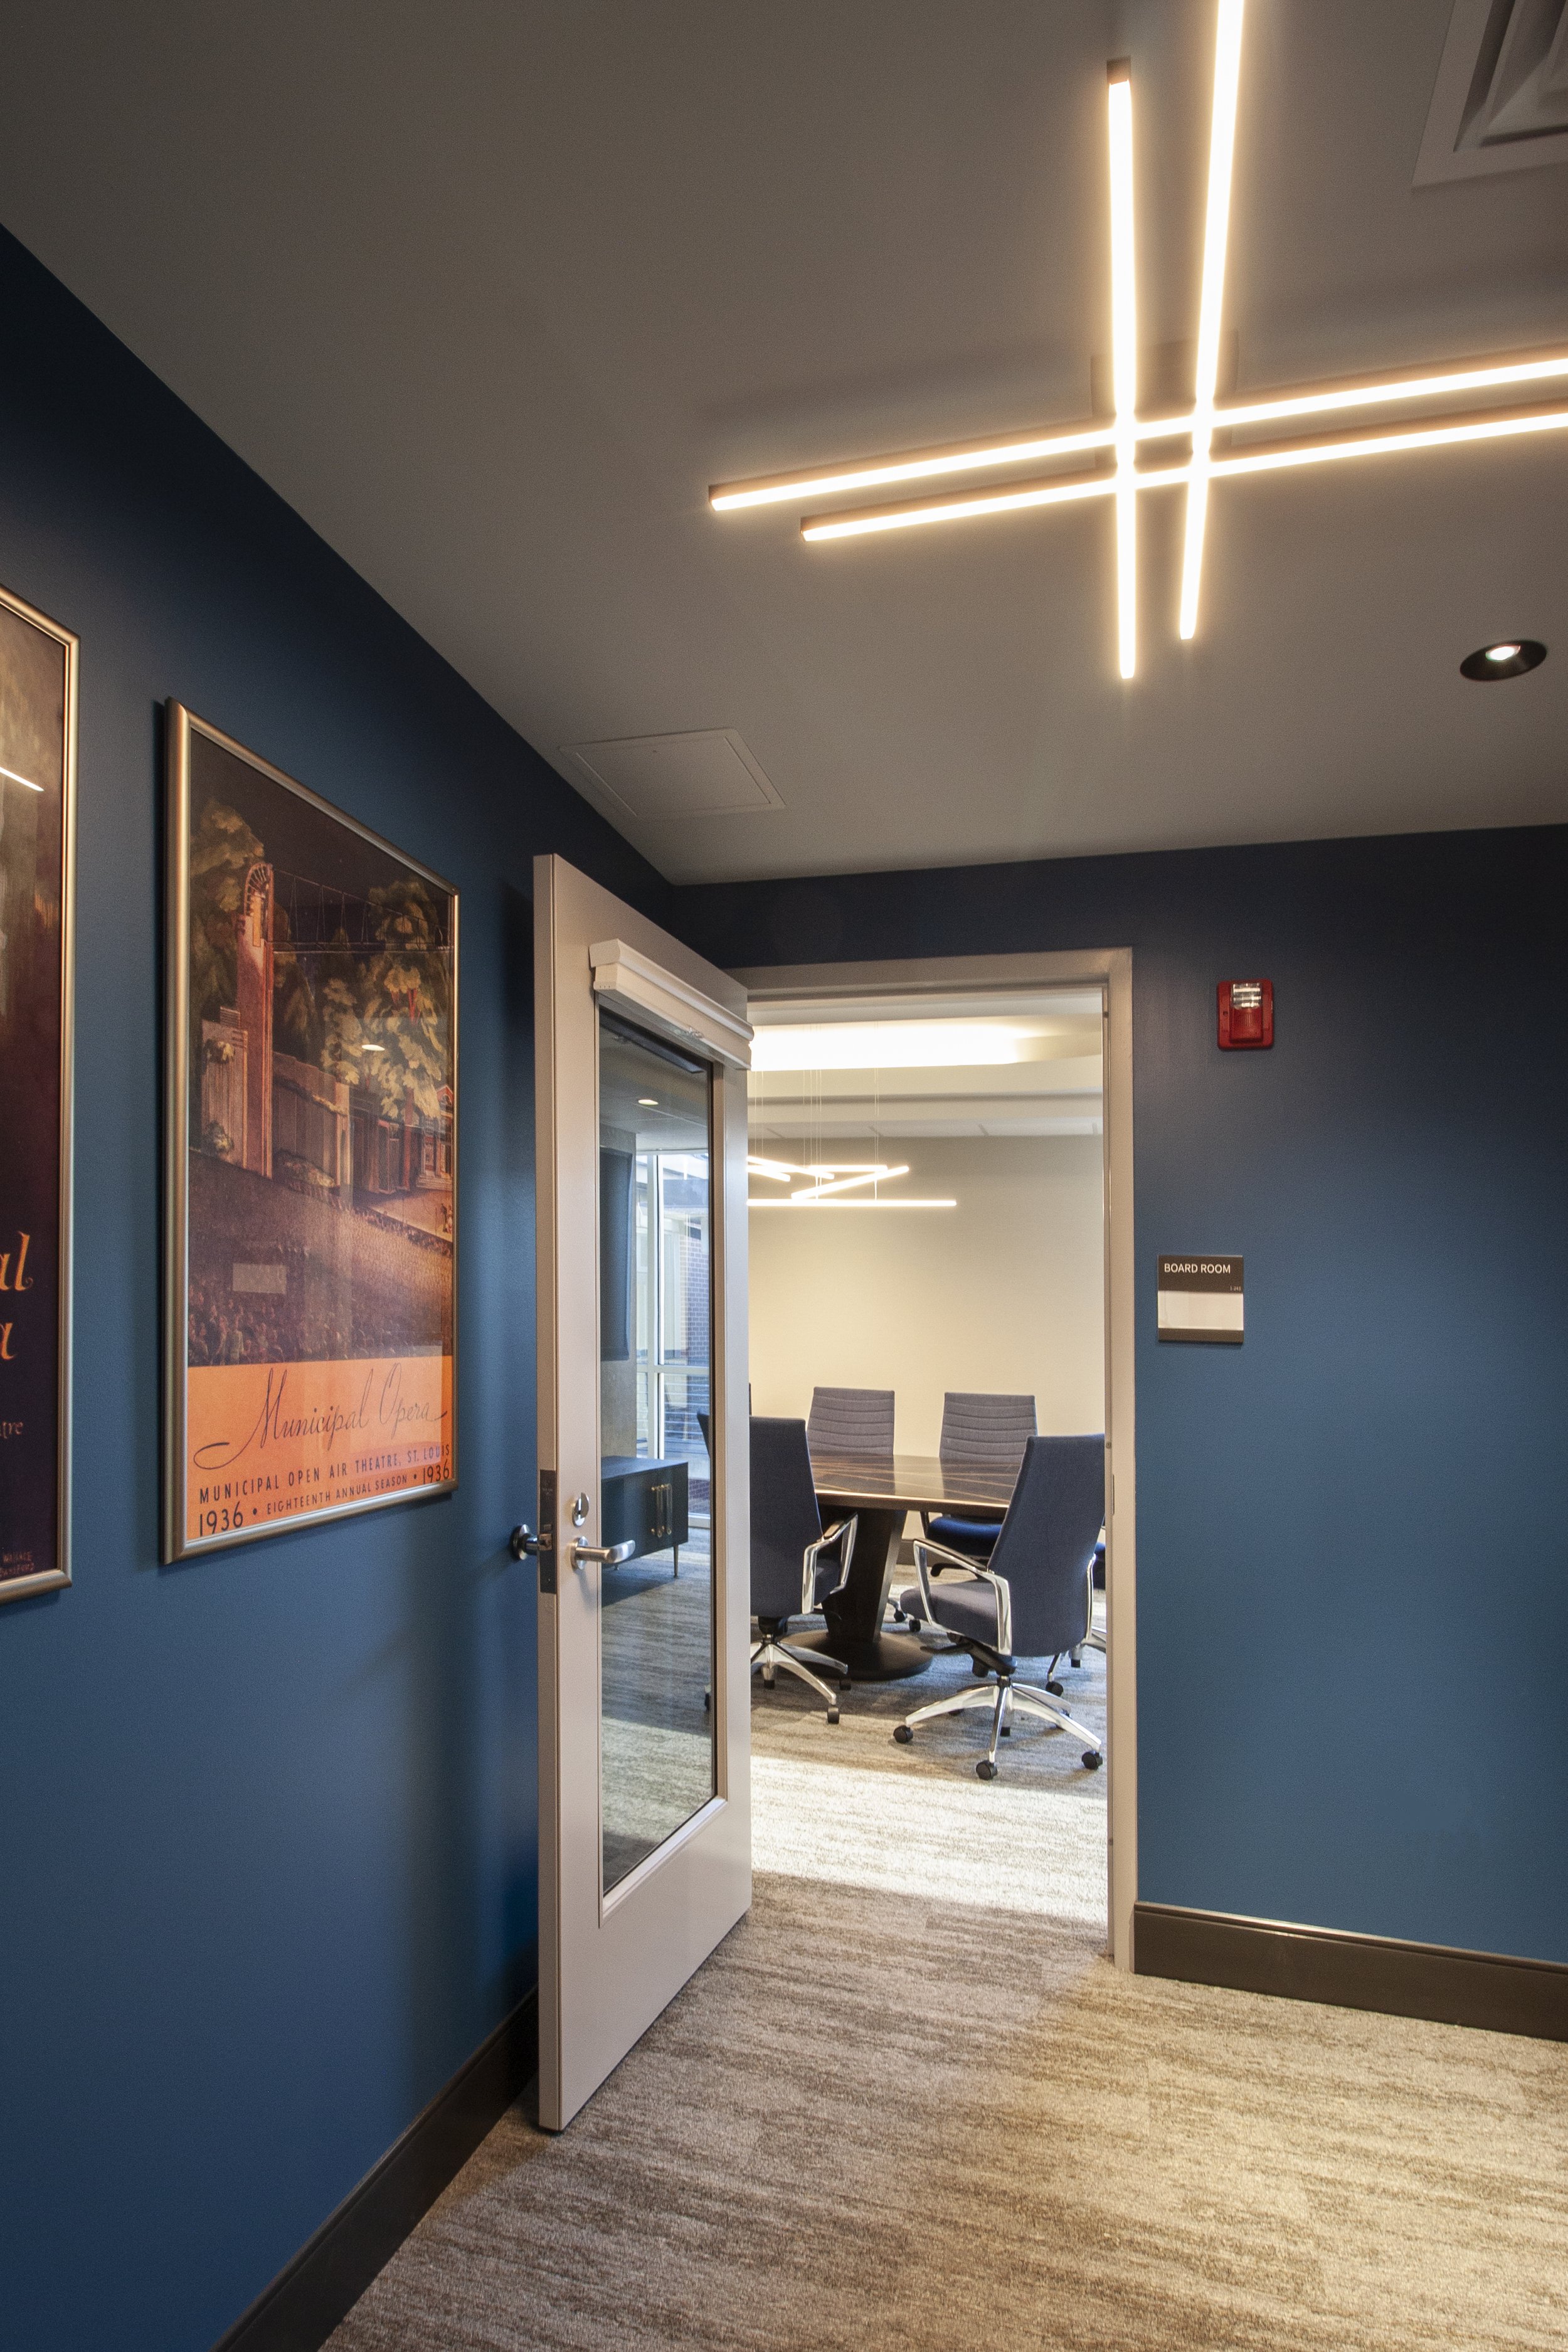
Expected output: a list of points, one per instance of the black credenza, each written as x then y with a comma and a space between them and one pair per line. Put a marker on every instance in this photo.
643, 1502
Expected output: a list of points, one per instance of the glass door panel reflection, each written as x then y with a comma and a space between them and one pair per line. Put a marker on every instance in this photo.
656, 1309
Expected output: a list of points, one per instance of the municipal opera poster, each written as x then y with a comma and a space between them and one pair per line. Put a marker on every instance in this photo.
38, 738
311, 1149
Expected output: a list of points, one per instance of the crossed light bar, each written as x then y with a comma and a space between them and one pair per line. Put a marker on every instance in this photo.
830, 1181
1211, 300
1115, 473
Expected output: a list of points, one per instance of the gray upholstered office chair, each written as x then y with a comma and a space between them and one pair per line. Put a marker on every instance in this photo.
789, 1573
850, 1423
979, 1432
1034, 1597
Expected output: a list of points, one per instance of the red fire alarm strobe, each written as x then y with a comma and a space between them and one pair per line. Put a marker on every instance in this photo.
1246, 1013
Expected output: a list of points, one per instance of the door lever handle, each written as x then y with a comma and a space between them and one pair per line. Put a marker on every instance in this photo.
526, 1545
607, 1555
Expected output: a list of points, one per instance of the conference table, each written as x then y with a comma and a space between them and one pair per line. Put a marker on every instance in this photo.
880, 1492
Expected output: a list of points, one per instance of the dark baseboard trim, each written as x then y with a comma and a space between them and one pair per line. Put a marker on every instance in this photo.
308, 2298
1449, 1988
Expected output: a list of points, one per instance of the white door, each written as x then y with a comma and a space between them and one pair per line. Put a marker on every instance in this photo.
645, 1840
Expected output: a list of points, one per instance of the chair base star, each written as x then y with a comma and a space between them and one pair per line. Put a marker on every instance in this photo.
771, 1657
1005, 1696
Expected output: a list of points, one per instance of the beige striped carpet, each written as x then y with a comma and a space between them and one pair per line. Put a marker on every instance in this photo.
908, 2104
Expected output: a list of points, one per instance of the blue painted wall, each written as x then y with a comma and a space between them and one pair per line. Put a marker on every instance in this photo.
266, 1821
1353, 1531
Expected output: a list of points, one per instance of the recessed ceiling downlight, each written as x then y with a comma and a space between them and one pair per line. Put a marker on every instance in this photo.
1511, 658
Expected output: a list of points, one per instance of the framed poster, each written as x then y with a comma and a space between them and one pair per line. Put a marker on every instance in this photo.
37, 832
310, 1204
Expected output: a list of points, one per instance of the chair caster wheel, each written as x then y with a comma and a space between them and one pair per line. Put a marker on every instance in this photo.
845, 1684
1092, 1759
1055, 1689
707, 1702
903, 1734
986, 1770
1007, 1731
833, 1715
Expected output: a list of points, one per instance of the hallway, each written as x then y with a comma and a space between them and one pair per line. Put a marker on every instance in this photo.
909, 2103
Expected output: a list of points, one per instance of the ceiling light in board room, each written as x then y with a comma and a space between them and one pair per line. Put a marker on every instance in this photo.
648, 1102
1115, 474
899, 1201
1514, 657
830, 1181
886, 1045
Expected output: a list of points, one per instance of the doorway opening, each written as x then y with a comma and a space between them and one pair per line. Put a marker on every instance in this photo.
934, 1156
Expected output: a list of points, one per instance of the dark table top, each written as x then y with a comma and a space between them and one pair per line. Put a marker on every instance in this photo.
910, 1482
626, 1465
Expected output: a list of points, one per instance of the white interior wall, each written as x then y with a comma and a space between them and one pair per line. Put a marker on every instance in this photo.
1005, 1292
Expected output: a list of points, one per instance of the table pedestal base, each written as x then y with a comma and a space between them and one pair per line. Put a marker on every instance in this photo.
885, 1658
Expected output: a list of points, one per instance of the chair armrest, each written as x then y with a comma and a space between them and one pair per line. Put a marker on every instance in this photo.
1091, 1638
809, 1597
943, 1555
925, 1552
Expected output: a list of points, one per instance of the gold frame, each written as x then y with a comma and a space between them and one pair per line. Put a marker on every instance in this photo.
181, 723
50, 1580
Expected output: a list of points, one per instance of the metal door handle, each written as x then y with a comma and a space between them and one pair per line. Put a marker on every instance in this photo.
608, 1555
526, 1545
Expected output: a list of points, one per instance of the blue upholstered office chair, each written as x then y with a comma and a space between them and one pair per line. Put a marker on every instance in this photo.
980, 1432
854, 1424
1034, 1597
789, 1573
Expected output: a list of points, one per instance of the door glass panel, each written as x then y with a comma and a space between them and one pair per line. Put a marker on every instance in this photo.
656, 1318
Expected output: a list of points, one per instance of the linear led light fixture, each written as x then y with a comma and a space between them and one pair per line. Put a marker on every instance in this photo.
1124, 357
811, 1206
1489, 426
1389, 439
919, 464
15, 778
1540, 367
885, 1046
781, 1171
1211, 302
1119, 441
848, 1183
1428, 384
1056, 491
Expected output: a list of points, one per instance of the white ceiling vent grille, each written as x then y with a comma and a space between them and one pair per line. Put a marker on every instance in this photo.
1502, 99
708, 772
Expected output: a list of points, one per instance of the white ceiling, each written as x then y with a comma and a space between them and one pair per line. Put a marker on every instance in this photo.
490, 291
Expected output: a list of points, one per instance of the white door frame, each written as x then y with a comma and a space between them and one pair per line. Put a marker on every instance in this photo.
1110, 969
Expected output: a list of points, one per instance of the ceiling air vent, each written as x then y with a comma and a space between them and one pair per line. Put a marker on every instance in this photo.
1502, 99
708, 772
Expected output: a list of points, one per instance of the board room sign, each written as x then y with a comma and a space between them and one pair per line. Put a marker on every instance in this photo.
1201, 1298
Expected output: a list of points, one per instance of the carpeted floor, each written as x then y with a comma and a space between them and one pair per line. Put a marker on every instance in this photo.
908, 2104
